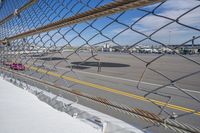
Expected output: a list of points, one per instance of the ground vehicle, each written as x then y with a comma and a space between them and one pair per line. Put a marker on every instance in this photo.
17, 66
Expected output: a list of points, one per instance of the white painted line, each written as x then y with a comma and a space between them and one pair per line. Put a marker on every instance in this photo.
129, 80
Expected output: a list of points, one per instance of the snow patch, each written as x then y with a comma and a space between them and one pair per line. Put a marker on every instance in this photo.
25, 113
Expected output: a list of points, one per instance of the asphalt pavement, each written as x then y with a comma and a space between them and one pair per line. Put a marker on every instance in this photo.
118, 80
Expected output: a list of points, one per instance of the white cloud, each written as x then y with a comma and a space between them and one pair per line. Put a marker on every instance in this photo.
180, 4
172, 9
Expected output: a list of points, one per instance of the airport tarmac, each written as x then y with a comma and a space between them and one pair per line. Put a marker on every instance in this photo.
129, 68
118, 79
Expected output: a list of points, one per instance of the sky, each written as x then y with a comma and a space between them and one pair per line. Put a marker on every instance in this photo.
173, 33
46, 11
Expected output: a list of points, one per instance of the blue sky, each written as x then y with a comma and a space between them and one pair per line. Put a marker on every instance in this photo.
52, 10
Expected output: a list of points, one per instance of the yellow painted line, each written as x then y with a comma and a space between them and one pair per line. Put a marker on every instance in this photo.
100, 87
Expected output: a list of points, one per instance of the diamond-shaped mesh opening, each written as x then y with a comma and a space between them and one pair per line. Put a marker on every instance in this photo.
137, 57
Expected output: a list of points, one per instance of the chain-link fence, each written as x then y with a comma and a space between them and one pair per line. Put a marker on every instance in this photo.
136, 57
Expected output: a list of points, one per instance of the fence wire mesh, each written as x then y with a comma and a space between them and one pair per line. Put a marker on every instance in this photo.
137, 56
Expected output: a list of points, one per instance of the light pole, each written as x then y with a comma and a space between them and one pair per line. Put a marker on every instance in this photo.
170, 37
193, 38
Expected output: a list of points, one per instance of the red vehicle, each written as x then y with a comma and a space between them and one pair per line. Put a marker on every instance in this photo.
17, 66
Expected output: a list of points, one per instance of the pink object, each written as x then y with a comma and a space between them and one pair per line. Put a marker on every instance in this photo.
16, 66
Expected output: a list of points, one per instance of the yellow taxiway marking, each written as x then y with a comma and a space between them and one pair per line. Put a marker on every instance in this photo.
100, 87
